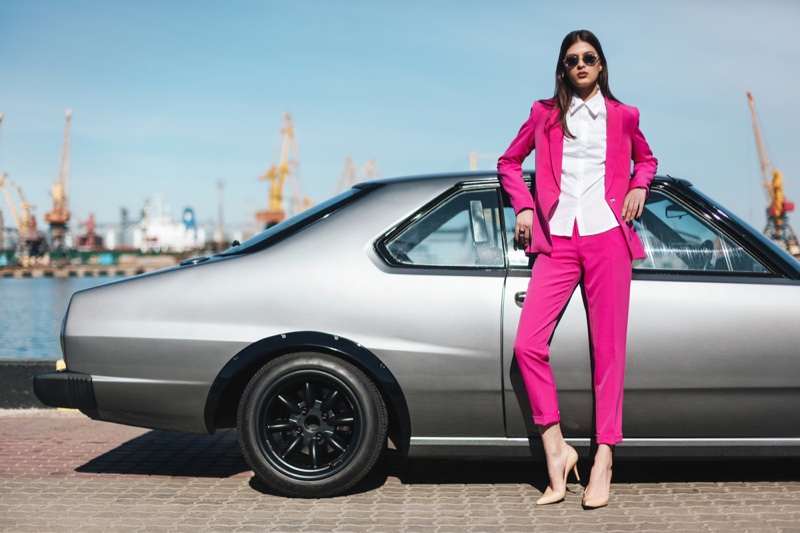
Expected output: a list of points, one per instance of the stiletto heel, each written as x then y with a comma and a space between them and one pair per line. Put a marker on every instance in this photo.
572, 465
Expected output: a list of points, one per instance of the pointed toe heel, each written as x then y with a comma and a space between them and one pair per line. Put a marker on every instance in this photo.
596, 503
572, 465
552, 497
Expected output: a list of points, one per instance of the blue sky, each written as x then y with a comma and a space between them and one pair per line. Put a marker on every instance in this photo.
171, 96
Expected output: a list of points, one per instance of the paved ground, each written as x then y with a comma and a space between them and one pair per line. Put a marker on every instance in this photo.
60, 471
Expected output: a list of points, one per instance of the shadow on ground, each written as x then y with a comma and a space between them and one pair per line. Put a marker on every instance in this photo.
161, 453
444, 471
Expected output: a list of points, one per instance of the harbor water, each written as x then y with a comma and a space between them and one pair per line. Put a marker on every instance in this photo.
31, 314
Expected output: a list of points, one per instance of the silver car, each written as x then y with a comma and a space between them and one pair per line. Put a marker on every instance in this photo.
385, 317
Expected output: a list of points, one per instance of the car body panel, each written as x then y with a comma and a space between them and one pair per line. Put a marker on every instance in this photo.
712, 356
724, 372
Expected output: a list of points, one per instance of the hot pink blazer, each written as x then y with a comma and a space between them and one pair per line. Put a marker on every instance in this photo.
542, 132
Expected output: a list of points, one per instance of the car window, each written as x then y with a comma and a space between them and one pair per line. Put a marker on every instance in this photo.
676, 238
463, 231
299, 221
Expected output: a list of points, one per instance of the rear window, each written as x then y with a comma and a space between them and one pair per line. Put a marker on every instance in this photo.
294, 224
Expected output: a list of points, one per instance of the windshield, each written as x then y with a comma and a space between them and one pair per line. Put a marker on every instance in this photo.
291, 225
760, 236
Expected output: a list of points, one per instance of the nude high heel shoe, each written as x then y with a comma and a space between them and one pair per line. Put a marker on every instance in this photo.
572, 464
597, 502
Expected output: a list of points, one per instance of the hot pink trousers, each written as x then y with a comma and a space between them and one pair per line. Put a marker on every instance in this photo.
604, 263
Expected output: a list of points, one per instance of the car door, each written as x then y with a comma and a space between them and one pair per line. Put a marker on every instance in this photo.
447, 273
712, 337
569, 354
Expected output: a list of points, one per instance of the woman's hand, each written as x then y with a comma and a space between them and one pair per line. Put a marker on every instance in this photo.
633, 205
522, 231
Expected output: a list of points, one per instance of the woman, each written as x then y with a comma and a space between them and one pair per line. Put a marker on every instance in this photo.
579, 224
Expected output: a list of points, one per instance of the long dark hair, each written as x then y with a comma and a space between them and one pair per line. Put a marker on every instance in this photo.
564, 90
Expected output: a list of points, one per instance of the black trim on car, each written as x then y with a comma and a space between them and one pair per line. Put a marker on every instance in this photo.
225, 391
699, 276
71, 390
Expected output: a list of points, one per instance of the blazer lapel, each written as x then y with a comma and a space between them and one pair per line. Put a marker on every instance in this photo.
556, 141
613, 136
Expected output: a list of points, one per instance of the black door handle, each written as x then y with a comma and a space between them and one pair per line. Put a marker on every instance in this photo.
519, 298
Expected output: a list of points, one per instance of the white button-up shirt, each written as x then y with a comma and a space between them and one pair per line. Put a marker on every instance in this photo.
583, 170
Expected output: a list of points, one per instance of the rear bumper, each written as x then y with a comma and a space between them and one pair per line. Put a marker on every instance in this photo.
65, 389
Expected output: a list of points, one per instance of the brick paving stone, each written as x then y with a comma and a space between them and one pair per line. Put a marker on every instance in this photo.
65, 472
676, 525
617, 526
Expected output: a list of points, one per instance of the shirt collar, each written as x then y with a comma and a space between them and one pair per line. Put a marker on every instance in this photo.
595, 105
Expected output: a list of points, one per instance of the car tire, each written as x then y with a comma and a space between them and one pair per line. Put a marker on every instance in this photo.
311, 425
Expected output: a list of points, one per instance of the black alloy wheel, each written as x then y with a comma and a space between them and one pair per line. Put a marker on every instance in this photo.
311, 425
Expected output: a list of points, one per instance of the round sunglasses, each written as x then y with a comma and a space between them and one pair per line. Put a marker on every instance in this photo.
590, 59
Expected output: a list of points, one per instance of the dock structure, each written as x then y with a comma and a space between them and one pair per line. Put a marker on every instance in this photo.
91, 270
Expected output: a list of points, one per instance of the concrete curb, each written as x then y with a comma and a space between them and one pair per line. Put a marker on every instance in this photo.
16, 382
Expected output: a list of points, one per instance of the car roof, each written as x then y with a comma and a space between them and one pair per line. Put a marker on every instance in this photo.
478, 177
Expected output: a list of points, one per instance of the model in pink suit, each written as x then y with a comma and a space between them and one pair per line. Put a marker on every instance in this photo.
579, 224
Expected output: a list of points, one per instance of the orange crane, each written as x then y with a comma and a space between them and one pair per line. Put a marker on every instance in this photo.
475, 156
281, 172
370, 171
22, 222
29, 241
348, 178
59, 214
777, 228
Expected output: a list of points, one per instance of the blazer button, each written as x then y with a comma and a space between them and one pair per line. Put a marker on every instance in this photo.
613, 200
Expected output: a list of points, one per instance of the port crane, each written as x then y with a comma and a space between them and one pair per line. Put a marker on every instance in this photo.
59, 215
777, 228
29, 241
348, 177
89, 241
287, 160
474, 157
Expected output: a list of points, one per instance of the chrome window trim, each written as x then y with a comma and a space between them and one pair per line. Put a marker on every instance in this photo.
522, 447
380, 245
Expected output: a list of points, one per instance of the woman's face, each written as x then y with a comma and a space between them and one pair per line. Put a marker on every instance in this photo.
582, 76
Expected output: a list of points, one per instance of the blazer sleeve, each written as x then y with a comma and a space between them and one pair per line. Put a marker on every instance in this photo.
509, 166
644, 163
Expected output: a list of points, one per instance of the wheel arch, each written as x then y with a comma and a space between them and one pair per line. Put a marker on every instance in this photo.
227, 389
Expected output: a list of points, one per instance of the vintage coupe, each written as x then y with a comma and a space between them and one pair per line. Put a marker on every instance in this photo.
386, 317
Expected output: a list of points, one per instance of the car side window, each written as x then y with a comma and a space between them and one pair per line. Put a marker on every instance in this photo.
463, 231
676, 238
